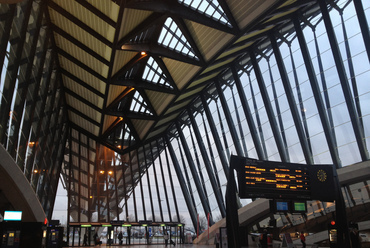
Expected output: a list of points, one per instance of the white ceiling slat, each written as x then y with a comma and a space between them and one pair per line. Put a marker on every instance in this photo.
80, 34
89, 18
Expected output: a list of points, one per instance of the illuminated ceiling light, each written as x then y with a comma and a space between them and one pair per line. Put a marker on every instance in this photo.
90, 196
121, 118
101, 172
35, 171
110, 172
143, 53
119, 146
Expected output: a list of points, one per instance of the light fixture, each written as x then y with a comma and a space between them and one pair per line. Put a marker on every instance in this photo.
101, 172
110, 172
143, 53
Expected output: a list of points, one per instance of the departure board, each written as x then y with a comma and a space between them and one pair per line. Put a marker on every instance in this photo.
274, 180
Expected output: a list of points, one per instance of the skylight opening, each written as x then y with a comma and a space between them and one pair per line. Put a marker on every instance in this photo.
209, 7
154, 74
138, 104
127, 133
172, 37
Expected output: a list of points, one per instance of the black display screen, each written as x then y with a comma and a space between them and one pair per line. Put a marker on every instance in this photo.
280, 180
275, 180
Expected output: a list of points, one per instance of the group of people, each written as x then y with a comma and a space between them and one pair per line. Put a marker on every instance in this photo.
355, 241
120, 237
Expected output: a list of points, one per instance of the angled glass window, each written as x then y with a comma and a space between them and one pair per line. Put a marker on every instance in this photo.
210, 8
138, 104
154, 74
172, 37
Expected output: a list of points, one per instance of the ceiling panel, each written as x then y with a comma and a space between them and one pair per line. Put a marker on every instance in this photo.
83, 108
181, 72
82, 56
209, 40
82, 74
85, 124
142, 126
159, 100
131, 18
121, 59
83, 92
108, 7
87, 17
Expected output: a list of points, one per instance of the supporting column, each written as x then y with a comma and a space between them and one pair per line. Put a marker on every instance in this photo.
269, 110
180, 177
248, 115
215, 136
229, 119
290, 97
207, 164
316, 92
194, 173
360, 138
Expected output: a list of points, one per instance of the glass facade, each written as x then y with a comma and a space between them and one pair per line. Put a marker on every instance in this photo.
33, 125
296, 93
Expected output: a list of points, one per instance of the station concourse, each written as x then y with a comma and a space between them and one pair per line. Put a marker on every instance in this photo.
125, 116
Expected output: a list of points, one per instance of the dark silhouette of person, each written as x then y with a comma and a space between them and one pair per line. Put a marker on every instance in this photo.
97, 239
128, 239
120, 237
85, 240
303, 239
354, 238
263, 238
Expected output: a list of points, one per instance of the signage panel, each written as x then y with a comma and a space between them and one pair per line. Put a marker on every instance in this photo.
274, 180
12, 215
279, 180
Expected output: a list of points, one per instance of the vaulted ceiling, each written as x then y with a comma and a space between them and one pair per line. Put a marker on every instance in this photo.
130, 67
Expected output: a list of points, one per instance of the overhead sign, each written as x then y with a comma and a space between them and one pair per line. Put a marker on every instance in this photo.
12, 215
278, 180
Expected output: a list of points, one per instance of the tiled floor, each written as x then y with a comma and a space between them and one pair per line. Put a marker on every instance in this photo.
151, 246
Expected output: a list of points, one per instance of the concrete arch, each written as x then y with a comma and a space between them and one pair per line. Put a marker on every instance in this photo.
17, 190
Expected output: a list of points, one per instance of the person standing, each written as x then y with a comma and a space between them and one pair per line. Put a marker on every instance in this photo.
95, 238
120, 237
303, 239
263, 238
165, 236
85, 240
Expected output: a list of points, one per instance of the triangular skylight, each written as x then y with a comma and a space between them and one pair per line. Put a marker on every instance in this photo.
154, 74
122, 136
138, 104
209, 7
126, 134
172, 37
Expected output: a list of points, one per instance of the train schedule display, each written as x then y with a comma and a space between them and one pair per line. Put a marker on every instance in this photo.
278, 180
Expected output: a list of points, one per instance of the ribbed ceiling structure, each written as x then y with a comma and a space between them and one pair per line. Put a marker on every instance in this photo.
129, 68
